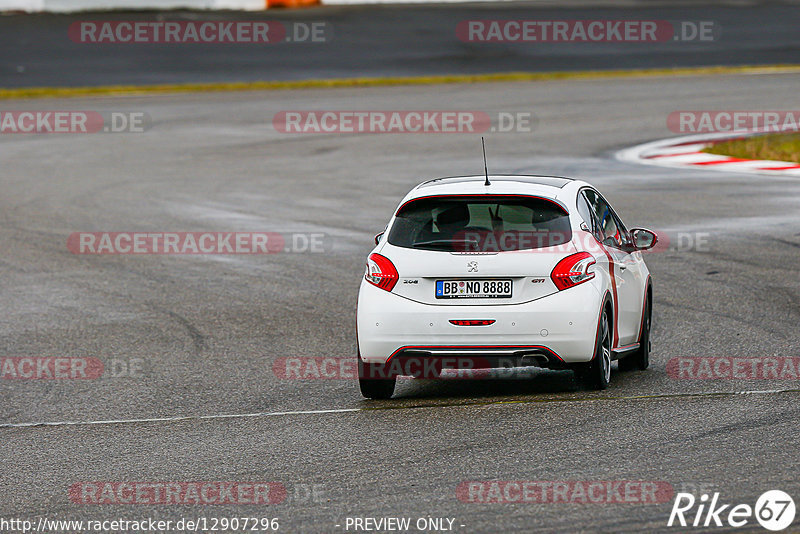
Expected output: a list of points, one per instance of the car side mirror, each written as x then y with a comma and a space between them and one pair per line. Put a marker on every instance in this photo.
643, 239
378, 237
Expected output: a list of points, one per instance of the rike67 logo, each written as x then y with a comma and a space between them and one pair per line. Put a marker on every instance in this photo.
774, 510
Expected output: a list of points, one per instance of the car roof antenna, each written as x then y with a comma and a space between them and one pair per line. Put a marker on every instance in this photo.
485, 167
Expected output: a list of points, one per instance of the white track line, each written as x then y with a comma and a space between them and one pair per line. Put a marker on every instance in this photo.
393, 407
178, 418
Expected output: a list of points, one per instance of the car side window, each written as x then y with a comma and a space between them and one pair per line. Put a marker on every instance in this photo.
585, 212
625, 236
610, 232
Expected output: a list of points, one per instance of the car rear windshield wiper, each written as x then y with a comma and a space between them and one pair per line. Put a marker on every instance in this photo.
444, 243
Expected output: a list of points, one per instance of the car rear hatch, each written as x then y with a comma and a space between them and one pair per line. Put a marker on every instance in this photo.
527, 271
477, 250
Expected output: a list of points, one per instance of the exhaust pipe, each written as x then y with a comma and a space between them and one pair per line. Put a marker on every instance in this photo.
533, 360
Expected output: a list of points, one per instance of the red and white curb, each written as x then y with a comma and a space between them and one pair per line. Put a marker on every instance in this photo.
685, 153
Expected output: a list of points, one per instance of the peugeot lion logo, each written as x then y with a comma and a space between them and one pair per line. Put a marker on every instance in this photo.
472, 267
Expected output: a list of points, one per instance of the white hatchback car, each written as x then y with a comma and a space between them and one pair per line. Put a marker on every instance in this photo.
504, 271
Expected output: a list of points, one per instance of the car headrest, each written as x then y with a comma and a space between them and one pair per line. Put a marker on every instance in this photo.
459, 213
541, 216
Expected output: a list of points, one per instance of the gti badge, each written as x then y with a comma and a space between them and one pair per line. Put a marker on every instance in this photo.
472, 267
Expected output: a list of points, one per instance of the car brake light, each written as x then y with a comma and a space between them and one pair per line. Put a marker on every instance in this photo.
380, 272
573, 270
472, 322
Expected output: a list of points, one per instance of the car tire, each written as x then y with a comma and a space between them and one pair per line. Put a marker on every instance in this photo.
596, 374
374, 388
639, 360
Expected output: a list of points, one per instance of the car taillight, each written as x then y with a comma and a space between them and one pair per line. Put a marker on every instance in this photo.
380, 272
573, 270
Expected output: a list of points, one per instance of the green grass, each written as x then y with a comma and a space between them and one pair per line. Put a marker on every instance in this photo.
778, 147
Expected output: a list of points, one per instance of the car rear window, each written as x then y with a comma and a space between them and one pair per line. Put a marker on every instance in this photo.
480, 224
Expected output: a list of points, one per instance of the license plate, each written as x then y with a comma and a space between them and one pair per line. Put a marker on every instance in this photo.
473, 289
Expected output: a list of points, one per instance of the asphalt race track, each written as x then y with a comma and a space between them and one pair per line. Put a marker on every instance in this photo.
392, 40
203, 332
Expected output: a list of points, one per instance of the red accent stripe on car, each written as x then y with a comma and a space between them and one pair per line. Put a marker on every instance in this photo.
613, 292
553, 201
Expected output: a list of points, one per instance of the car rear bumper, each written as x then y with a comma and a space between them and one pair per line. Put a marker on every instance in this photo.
550, 331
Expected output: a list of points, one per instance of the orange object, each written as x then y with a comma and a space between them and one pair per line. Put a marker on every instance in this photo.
291, 3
